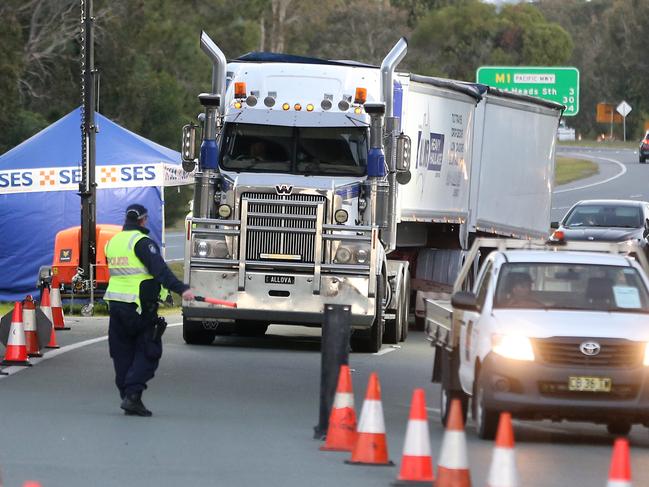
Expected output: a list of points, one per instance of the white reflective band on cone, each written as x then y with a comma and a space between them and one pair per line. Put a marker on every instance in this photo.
503, 471
453, 454
55, 298
417, 439
48, 312
619, 483
16, 335
371, 417
29, 319
343, 400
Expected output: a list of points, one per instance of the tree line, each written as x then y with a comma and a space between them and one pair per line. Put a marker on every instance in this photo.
152, 68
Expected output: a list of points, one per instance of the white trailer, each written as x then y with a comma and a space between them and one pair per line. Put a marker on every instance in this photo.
305, 195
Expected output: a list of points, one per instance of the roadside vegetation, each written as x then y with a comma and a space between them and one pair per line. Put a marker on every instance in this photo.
568, 170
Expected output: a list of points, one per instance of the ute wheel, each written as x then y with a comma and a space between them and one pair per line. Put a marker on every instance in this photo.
618, 428
486, 420
370, 341
446, 397
193, 334
250, 328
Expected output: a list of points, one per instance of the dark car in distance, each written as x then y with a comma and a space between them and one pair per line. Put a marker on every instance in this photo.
606, 221
643, 151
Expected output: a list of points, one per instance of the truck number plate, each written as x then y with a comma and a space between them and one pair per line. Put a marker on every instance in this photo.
590, 384
280, 279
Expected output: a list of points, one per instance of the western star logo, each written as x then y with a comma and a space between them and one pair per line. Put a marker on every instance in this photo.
284, 189
65, 255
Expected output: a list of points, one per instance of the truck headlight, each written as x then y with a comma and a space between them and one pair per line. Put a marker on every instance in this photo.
512, 346
341, 216
203, 248
225, 211
645, 362
211, 248
361, 256
343, 255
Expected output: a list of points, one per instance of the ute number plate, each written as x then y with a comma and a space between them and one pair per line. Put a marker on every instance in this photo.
590, 384
280, 279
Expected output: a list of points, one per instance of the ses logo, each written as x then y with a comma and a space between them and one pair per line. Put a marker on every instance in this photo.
57, 179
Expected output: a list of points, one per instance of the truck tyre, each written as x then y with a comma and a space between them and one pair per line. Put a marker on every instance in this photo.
250, 328
446, 397
393, 328
406, 305
486, 420
194, 334
370, 341
619, 428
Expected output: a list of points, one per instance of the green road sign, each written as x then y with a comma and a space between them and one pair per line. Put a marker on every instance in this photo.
560, 85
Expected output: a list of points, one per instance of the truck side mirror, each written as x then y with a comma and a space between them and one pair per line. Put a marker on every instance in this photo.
189, 147
403, 153
554, 225
465, 300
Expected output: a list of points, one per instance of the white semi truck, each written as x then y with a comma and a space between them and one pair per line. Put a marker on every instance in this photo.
305, 194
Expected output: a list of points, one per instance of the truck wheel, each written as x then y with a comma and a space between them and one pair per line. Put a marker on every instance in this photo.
370, 341
393, 327
446, 397
250, 328
406, 305
619, 428
193, 334
486, 420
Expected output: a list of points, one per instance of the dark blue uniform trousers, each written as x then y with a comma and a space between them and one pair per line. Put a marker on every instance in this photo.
134, 352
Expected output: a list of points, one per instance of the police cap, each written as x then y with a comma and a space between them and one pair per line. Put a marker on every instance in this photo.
135, 212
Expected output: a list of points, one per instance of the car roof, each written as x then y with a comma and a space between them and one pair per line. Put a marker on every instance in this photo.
565, 257
613, 202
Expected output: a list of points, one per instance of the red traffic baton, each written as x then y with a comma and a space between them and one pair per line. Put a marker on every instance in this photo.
221, 302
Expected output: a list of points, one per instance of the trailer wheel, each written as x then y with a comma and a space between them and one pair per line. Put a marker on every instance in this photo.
370, 341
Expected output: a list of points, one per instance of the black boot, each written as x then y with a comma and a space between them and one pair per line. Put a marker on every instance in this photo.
132, 405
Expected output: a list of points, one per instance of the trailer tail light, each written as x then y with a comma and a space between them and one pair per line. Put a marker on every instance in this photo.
286, 106
297, 107
361, 96
239, 89
309, 107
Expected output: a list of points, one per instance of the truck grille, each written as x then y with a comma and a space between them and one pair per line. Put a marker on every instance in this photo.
613, 353
287, 242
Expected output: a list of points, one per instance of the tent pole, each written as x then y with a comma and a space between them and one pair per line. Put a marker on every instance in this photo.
164, 223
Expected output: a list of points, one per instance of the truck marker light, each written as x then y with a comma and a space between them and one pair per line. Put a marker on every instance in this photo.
269, 101
239, 89
341, 216
237, 105
286, 106
515, 347
225, 211
326, 104
343, 105
358, 110
297, 107
251, 101
360, 96
309, 107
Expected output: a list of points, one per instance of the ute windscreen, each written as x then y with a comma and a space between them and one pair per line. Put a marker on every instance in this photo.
317, 151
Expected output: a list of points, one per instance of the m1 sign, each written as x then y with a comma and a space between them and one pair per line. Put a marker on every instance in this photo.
560, 85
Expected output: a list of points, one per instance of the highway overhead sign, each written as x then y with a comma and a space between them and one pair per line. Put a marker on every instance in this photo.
560, 85
624, 108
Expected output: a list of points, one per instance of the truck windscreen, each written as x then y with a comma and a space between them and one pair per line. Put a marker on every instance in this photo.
328, 151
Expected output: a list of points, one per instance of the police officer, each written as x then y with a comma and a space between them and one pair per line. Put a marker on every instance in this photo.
139, 277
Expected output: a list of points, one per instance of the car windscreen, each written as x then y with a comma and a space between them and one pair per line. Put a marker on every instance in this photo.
603, 215
571, 286
299, 150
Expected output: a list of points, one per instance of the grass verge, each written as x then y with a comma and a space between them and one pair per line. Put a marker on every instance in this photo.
615, 144
568, 170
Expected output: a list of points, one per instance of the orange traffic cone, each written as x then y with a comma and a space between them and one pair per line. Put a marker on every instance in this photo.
16, 353
620, 473
453, 468
503, 471
32, 483
341, 434
371, 446
417, 459
57, 306
31, 334
47, 310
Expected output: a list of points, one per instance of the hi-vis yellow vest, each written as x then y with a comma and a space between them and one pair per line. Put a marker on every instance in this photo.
126, 270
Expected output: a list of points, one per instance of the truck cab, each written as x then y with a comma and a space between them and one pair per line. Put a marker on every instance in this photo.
548, 332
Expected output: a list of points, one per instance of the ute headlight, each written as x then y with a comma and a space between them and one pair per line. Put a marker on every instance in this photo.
645, 362
225, 211
512, 346
203, 248
341, 216
343, 255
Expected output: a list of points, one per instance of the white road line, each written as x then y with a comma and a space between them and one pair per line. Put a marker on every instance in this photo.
434, 410
14, 369
561, 207
621, 173
636, 195
387, 350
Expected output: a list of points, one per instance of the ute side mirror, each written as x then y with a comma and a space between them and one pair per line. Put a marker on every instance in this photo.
645, 232
465, 300
554, 225
189, 147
